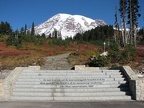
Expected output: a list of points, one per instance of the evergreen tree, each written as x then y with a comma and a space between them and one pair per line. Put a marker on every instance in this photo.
22, 30
50, 36
43, 35
28, 32
123, 11
78, 36
25, 29
55, 34
116, 26
141, 34
133, 15
32, 30
16, 35
2, 28
8, 28
5, 28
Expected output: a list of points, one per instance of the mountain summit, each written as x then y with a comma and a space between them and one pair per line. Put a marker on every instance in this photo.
66, 25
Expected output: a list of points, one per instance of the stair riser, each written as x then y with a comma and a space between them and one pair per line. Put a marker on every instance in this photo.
71, 90
69, 94
72, 79
69, 83
64, 74
126, 98
71, 71
69, 86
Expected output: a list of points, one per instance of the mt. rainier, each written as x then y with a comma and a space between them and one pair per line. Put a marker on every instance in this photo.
67, 25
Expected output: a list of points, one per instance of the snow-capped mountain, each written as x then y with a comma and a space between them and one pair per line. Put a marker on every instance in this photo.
66, 25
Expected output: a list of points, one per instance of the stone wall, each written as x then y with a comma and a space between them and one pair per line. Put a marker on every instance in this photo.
136, 84
1, 88
8, 83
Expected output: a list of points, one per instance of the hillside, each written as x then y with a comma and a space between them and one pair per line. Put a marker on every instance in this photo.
32, 49
31, 54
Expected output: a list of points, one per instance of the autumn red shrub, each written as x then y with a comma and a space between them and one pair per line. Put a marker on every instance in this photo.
137, 59
140, 52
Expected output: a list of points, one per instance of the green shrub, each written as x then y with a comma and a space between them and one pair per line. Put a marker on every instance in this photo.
99, 61
122, 56
128, 54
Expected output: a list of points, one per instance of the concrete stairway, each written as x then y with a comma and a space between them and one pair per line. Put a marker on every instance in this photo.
71, 85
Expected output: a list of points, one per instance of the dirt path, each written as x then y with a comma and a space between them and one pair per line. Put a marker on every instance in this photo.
58, 62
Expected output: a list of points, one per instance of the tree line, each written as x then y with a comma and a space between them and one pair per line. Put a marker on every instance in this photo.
18, 37
101, 33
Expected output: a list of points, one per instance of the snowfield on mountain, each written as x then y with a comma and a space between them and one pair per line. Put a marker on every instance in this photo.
66, 25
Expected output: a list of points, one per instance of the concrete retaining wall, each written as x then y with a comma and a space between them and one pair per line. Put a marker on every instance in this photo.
136, 84
10, 81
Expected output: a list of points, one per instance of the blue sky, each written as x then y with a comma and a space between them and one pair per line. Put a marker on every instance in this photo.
21, 12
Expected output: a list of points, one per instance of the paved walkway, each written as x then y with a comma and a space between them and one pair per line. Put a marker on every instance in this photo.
132, 104
58, 62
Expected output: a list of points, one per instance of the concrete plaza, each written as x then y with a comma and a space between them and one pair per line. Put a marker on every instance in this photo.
102, 104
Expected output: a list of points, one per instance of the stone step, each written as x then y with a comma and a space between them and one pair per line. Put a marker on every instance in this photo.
70, 82
71, 71
63, 74
71, 99
59, 77
70, 79
53, 94
71, 90
71, 86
